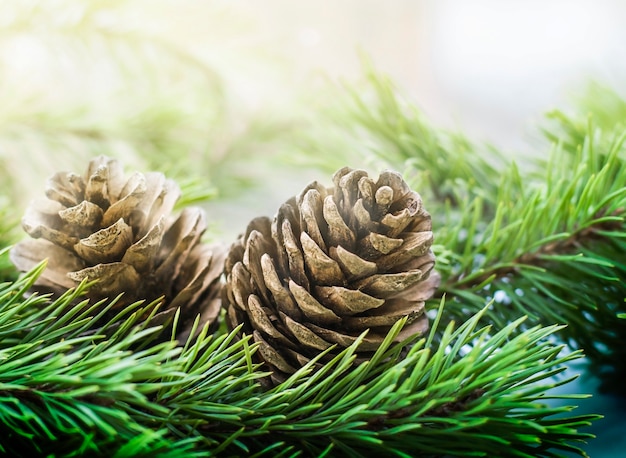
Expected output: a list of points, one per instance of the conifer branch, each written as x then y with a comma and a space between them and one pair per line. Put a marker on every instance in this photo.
544, 240
554, 253
96, 395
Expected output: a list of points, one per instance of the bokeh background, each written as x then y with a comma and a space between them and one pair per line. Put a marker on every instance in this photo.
220, 81
488, 67
226, 96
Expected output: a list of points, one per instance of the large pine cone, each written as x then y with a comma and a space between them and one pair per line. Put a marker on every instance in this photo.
333, 263
116, 230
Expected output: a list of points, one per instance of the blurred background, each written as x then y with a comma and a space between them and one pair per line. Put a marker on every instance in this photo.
227, 97
489, 67
229, 85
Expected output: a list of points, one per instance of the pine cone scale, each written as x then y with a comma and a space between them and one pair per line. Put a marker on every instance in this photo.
353, 265
28, 253
311, 307
120, 209
96, 189
373, 245
82, 216
106, 244
339, 233
370, 342
65, 188
141, 255
386, 315
312, 216
261, 321
55, 236
322, 268
294, 256
385, 286
305, 336
113, 278
272, 356
346, 301
414, 247
284, 301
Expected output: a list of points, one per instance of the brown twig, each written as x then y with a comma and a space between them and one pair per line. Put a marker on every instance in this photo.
569, 245
445, 410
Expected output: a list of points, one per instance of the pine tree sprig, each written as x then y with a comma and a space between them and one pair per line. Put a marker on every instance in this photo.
548, 250
58, 385
98, 393
543, 238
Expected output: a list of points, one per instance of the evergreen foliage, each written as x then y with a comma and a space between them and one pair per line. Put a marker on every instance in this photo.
542, 239
126, 390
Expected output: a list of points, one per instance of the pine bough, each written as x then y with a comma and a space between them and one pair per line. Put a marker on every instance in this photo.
129, 390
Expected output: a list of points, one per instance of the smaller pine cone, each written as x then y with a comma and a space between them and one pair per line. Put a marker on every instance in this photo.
333, 263
116, 230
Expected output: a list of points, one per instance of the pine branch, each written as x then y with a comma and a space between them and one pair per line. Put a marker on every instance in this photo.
58, 383
551, 252
62, 385
543, 242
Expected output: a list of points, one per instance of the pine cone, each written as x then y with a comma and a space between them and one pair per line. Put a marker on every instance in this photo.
116, 230
333, 263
